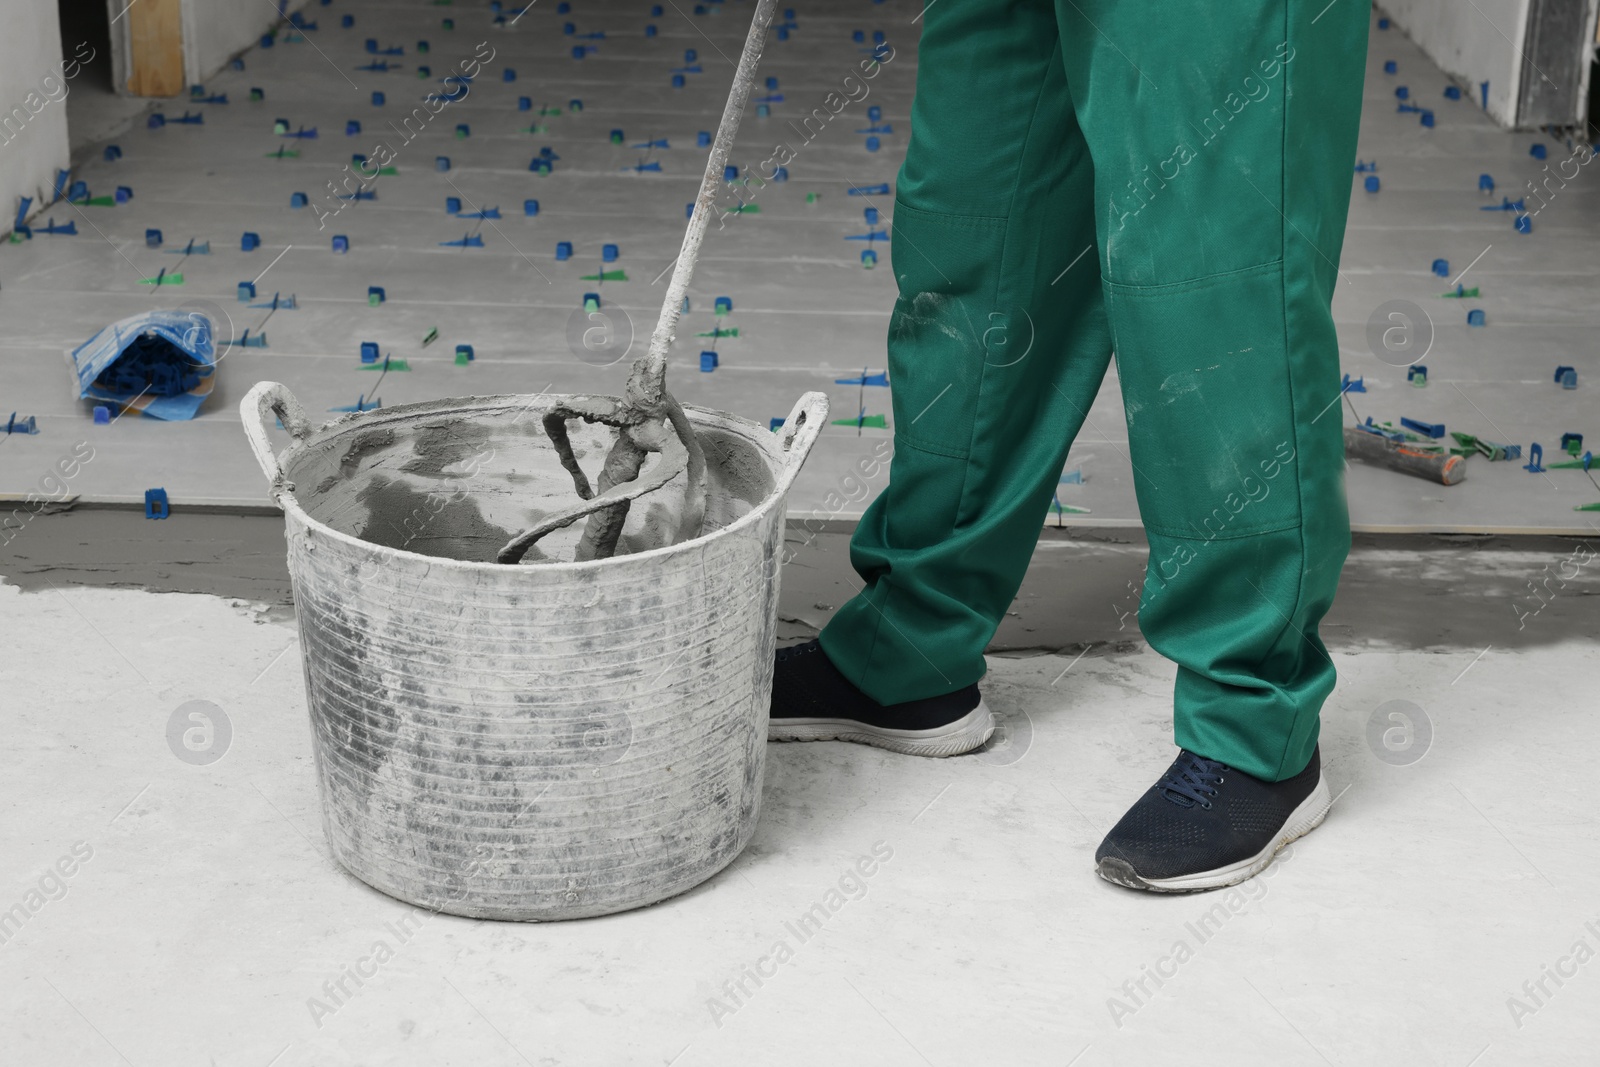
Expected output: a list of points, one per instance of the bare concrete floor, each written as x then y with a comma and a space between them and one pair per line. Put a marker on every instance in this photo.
1423, 592
208, 914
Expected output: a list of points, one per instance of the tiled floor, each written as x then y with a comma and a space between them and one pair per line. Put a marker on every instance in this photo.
808, 314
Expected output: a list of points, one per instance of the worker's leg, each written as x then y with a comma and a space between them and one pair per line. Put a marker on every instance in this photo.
1223, 136
997, 345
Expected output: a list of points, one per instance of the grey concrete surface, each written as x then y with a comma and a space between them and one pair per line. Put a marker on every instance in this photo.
210, 925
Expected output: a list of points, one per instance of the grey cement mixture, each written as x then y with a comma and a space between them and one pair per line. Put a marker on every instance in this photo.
1412, 592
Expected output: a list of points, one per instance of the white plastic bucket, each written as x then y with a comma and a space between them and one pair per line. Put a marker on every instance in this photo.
537, 741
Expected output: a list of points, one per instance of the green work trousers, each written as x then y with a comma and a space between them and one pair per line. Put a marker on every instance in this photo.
1168, 183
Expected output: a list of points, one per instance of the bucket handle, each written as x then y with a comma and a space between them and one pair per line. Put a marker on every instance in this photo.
799, 432
272, 398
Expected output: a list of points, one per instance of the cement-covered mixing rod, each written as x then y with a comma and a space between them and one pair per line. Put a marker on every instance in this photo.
648, 419
646, 380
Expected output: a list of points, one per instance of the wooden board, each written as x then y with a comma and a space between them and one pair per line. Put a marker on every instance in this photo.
155, 34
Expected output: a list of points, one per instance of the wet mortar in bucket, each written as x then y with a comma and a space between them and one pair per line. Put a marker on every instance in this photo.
461, 489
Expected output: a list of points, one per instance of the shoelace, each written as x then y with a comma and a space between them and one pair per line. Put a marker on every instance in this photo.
798, 650
1192, 780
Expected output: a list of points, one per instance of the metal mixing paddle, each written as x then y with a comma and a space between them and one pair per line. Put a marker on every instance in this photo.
648, 418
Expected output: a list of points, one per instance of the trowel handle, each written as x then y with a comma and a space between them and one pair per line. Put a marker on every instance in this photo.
272, 399
799, 432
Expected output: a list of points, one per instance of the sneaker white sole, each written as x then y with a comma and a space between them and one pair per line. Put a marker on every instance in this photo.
963, 735
1304, 819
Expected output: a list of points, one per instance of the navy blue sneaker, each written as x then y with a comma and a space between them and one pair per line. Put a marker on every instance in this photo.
1205, 825
812, 701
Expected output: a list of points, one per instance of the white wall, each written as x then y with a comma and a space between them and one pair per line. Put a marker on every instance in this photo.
214, 31
1477, 42
33, 143
33, 111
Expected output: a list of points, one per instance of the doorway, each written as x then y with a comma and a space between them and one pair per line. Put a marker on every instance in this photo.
1558, 52
98, 66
